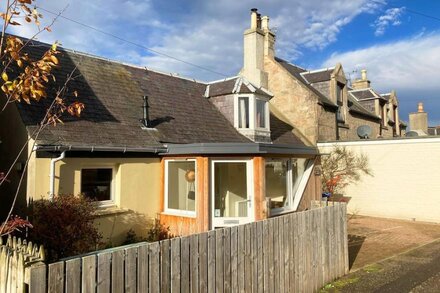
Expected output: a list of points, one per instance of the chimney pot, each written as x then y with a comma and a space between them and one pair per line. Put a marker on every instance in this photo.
254, 18
420, 108
265, 22
364, 74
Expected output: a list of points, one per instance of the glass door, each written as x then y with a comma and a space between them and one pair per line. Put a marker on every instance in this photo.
232, 192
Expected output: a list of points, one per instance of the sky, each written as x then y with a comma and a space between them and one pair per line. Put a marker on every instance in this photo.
397, 41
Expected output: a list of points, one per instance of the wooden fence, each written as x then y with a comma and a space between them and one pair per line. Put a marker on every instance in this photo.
15, 256
298, 252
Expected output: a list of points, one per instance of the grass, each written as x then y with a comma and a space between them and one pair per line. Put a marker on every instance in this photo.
374, 268
339, 284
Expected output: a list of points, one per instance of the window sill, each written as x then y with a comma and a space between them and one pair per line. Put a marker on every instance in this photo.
177, 214
110, 211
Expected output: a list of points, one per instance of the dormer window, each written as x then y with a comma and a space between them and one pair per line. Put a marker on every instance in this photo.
251, 116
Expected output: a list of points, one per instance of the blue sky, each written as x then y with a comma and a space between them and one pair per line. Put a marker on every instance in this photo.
399, 48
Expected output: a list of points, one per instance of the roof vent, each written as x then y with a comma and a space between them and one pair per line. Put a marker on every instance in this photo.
146, 116
364, 131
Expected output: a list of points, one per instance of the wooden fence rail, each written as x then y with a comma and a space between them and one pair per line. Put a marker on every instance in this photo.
16, 256
297, 252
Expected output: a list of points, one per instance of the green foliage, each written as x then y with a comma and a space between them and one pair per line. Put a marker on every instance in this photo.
341, 168
159, 232
64, 226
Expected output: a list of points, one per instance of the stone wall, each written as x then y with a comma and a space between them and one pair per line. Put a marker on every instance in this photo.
327, 124
355, 120
297, 103
323, 88
225, 104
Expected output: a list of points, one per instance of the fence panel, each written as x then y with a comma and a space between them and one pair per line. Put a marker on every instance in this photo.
297, 252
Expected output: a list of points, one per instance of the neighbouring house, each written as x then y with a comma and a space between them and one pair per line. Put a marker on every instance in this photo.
418, 121
320, 103
149, 144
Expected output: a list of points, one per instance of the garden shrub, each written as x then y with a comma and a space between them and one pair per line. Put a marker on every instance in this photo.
64, 226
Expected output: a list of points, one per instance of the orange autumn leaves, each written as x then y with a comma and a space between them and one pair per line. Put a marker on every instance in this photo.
26, 79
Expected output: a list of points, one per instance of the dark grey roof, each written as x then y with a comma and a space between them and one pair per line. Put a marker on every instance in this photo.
386, 96
318, 76
235, 85
112, 93
368, 93
296, 71
355, 106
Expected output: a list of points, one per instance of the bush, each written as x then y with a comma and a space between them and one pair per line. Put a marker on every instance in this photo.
159, 232
64, 226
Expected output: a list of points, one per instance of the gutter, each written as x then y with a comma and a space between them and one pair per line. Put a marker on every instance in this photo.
52, 174
101, 149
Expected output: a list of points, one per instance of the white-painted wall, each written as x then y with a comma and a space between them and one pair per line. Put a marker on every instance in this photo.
405, 182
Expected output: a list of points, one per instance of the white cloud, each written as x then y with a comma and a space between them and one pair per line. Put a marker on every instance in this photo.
390, 18
207, 33
408, 66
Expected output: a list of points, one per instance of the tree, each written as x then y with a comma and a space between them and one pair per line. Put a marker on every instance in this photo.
341, 168
25, 79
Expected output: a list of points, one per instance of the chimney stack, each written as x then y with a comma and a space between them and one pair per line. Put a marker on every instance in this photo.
253, 51
364, 74
361, 83
419, 120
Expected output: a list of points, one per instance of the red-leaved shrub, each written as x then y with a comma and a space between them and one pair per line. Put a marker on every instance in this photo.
64, 226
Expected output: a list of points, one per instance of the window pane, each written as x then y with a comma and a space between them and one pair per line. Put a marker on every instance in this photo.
230, 187
261, 114
243, 112
276, 183
181, 185
339, 93
96, 183
298, 168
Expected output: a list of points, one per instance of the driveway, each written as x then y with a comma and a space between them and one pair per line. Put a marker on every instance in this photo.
391, 256
374, 239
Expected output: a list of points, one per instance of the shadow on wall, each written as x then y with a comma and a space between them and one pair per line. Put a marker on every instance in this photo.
114, 227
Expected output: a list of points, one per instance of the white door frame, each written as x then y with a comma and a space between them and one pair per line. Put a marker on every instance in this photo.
232, 221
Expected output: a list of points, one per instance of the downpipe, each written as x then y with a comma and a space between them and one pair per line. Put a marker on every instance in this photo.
52, 174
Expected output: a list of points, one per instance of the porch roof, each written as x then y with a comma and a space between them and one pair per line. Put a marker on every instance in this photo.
238, 148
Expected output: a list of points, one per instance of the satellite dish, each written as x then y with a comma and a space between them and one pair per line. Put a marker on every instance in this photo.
364, 131
412, 134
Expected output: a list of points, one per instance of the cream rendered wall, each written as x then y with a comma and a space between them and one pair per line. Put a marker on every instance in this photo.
136, 191
405, 182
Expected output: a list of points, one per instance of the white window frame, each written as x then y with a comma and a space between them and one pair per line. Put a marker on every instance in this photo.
266, 113
218, 222
176, 212
252, 98
293, 199
111, 201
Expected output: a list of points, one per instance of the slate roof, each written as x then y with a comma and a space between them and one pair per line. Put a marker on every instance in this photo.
234, 85
296, 71
318, 76
356, 107
113, 96
364, 94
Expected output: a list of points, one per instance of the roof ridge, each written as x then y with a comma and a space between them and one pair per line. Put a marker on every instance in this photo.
318, 70
290, 63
